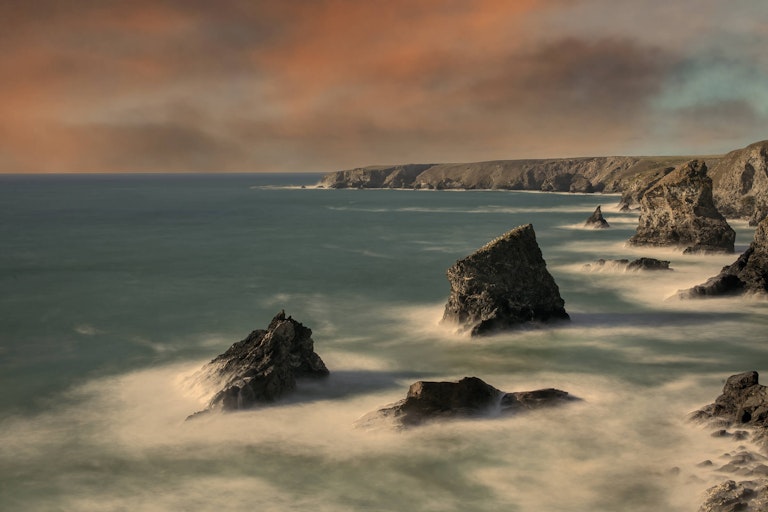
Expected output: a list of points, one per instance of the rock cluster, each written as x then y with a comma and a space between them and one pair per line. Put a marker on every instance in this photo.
596, 220
470, 397
747, 275
679, 211
625, 264
502, 285
265, 365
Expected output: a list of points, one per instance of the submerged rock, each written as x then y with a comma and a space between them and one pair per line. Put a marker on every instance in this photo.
679, 211
747, 275
502, 285
596, 220
624, 264
470, 397
264, 366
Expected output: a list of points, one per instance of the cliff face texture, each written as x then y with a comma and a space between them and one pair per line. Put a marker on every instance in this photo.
502, 285
740, 182
679, 211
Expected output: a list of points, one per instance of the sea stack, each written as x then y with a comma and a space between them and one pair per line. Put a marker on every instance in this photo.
678, 211
470, 397
503, 285
747, 275
596, 220
264, 366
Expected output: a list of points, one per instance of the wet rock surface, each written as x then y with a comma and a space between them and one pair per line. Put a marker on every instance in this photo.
596, 220
678, 211
264, 366
639, 264
470, 397
503, 285
747, 275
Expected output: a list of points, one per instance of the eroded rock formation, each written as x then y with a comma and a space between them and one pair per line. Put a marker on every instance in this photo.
264, 366
747, 275
596, 220
679, 211
467, 398
740, 182
502, 285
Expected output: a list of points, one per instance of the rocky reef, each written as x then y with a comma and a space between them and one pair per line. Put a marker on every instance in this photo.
740, 182
625, 264
747, 275
502, 285
596, 220
743, 405
264, 366
470, 397
678, 211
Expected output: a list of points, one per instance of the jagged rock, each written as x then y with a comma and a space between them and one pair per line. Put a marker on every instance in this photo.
625, 264
744, 402
747, 275
264, 366
740, 182
596, 220
502, 285
467, 398
678, 211
634, 190
730, 496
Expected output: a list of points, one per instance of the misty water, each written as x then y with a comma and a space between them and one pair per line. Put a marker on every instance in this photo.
114, 290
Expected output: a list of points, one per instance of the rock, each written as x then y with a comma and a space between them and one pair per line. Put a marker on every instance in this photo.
678, 211
596, 220
264, 366
625, 264
502, 285
470, 397
740, 182
730, 496
743, 402
747, 275
396, 176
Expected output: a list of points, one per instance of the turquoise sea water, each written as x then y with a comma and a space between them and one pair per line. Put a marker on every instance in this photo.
115, 289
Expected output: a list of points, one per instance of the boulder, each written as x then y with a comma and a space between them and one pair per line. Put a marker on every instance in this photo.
264, 366
470, 397
502, 285
729, 496
679, 211
744, 402
596, 220
747, 275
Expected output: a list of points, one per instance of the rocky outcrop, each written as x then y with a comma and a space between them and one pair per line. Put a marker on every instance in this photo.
470, 397
395, 176
747, 275
743, 405
679, 211
634, 189
740, 182
596, 220
626, 265
264, 366
502, 285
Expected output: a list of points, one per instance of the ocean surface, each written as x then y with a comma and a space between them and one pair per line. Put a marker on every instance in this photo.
115, 290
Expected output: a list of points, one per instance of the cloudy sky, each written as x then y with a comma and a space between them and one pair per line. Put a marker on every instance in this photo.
321, 85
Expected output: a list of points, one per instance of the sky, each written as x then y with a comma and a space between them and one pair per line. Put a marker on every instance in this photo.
323, 85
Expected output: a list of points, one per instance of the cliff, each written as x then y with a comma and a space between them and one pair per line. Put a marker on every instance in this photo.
740, 182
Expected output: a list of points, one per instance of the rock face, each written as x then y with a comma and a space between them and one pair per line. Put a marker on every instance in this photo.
747, 275
467, 398
679, 211
502, 285
596, 220
624, 264
265, 365
743, 404
740, 182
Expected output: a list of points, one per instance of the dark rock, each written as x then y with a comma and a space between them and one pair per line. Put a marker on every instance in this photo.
502, 285
265, 365
596, 220
743, 402
625, 264
748, 274
730, 496
679, 211
470, 397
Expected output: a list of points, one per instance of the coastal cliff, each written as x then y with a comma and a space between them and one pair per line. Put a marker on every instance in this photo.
740, 182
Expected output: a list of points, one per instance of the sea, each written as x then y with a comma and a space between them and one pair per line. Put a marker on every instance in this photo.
116, 289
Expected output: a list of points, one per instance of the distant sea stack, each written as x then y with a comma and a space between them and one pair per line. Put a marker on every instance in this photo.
747, 275
264, 366
596, 220
470, 397
678, 211
503, 285
740, 182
